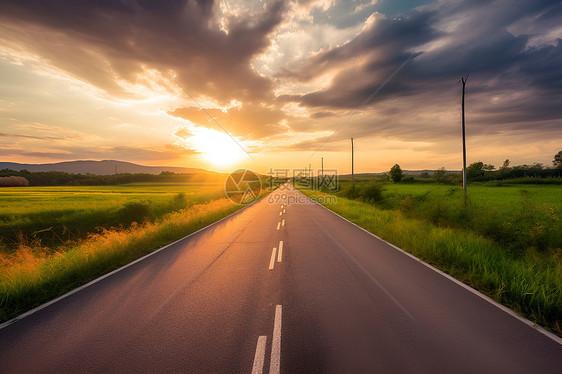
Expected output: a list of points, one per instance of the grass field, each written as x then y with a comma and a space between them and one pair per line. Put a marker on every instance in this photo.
518, 217
505, 198
108, 226
50, 216
505, 242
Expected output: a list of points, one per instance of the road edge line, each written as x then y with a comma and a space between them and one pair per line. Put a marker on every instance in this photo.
102, 277
502, 307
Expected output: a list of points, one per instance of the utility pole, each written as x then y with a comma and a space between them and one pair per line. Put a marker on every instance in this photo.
463, 80
321, 178
352, 174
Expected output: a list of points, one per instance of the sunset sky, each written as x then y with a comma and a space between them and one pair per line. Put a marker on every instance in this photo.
127, 81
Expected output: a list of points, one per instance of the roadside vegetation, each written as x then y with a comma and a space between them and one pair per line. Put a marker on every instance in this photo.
49, 217
505, 240
32, 273
521, 218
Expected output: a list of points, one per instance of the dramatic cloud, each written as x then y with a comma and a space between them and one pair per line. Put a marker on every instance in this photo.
106, 43
250, 121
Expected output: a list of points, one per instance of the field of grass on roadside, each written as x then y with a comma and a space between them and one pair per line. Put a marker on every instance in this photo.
520, 218
51, 216
30, 276
528, 282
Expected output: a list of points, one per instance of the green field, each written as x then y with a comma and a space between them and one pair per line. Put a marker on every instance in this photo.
519, 217
505, 198
54, 215
505, 241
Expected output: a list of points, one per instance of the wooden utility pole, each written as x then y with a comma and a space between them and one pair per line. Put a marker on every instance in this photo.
322, 166
352, 174
463, 80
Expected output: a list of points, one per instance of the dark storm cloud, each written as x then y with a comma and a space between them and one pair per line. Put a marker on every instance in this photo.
102, 41
511, 80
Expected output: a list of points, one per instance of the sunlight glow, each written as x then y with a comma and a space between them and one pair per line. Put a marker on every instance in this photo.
216, 147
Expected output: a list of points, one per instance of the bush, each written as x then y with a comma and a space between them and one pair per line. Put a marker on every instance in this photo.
371, 192
407, 179
441, 176
407, 204
350, 191
180, 200
136, 211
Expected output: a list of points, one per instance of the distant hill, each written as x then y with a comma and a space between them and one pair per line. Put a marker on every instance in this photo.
104, 167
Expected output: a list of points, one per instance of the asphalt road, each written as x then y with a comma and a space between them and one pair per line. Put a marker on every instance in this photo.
276, 287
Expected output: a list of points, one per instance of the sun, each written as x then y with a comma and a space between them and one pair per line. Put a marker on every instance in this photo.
217, 148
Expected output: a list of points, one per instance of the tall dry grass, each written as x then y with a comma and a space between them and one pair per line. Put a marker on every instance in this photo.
33, 275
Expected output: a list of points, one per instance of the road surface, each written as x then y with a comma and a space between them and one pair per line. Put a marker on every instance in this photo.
277, 287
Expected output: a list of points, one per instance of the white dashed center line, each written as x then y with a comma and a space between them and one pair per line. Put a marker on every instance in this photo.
257, 368
280, 253
272, 260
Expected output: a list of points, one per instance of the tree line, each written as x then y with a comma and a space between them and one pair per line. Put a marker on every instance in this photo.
59, 178
481, 172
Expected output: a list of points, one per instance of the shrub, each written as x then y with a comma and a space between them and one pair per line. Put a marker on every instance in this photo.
407, 204
440, 176
136, 211
371, 192
180, 200
350, 191
407, 179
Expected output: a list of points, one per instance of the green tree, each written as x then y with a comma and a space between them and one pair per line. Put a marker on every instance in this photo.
395, 174
477, 170
440, 176
558, 160
506, 163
